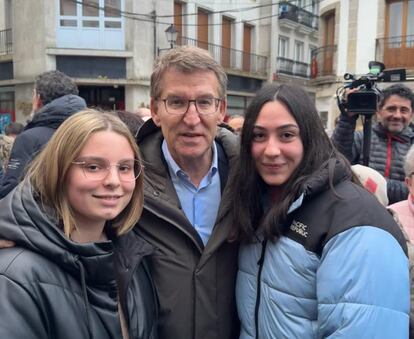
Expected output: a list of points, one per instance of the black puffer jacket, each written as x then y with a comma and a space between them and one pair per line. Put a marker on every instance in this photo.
35, 135
386, 154
52, 287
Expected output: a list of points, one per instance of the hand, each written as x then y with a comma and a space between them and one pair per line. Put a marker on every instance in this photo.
343, 100
6, 243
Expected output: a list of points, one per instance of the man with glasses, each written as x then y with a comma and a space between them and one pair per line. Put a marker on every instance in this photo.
391, 138
187, 159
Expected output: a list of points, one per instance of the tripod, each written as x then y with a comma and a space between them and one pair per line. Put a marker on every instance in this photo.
366, 145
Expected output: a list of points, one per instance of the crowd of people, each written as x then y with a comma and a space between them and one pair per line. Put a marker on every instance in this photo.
116, 225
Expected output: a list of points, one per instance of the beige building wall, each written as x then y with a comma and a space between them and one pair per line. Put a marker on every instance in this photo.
34, 50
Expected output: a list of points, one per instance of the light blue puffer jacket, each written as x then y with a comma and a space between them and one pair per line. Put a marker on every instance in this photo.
355, 286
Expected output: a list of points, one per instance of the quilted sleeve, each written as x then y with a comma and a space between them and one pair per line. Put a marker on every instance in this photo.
363, 286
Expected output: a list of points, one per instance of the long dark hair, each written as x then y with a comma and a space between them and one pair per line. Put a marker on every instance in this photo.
247, 187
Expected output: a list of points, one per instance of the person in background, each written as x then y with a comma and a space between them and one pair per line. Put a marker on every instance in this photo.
187, 160
144, 113
75, 270
319, 254
55, 98
132, 120
405, 208
375, 183
13, 129
6, 144
236, 123
391, 138
372, 181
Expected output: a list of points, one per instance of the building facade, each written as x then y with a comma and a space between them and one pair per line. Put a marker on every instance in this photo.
352, 33
91, 41
294, 37
109, 46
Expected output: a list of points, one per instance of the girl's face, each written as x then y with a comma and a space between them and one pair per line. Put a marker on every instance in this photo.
94, 201
277, 148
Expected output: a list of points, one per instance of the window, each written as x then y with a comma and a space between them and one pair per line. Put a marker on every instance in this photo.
324, 117
91, 13
236, 105
283, 48
299, 51
91, 24
314, 7
398, 46
311, 51
178, 21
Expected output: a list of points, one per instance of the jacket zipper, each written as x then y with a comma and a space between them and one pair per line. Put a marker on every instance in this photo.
259, 274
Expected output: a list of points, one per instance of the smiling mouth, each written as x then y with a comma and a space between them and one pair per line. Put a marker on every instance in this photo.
108, 197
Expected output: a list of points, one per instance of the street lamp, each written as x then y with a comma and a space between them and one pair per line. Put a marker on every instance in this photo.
171, 33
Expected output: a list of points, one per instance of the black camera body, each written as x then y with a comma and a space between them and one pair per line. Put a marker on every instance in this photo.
365, 99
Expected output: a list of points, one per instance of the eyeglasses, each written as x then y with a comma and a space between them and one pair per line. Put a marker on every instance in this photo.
180, 106
98, 168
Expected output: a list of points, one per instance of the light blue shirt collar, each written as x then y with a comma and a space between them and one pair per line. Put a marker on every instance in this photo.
176, 169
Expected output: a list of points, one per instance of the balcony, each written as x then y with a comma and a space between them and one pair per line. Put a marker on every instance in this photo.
6, 42
291, 15
396, 52
231, 59
323, 62
292, 67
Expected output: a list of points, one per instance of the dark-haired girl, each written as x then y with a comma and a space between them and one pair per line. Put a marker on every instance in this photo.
320, 257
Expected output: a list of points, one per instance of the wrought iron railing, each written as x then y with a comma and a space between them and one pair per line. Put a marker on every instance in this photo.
229, 58
397, 51
323, 61
6, 42
297, 14
292, 67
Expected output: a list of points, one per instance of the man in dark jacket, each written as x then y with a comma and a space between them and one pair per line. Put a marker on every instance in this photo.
391, 138
55, 98
187, 159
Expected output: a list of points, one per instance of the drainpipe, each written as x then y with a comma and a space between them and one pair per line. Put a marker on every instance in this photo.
154, 18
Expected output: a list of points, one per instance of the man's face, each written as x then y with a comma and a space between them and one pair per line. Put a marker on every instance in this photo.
189, 136
396, 114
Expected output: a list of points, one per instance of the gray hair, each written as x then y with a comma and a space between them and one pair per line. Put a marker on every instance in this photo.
186, 59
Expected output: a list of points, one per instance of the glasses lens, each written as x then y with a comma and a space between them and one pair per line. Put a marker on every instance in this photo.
206, 105
97, 169
129, 170
176, 105
94, 169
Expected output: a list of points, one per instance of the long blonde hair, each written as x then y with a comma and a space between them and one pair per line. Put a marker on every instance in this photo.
48, 171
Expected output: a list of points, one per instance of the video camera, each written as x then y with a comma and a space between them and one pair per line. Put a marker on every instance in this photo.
365, 99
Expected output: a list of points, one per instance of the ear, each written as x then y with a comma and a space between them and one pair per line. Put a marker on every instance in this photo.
154, 112
222, 110
408, 181
36, 102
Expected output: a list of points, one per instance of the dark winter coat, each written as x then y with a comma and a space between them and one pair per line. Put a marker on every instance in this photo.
386, 154
52, 287
35, 135
195, 284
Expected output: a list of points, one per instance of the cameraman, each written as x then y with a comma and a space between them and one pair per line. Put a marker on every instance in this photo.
391, 138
